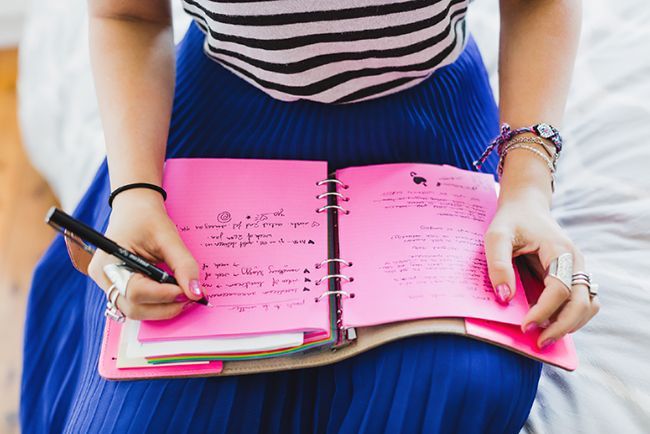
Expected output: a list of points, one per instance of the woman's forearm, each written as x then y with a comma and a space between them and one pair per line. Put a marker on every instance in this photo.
538, 44
132, 57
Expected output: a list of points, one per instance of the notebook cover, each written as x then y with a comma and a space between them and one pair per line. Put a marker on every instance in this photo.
561, 354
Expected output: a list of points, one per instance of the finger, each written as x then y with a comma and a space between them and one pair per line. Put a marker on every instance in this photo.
142, 290
594, 301
96, 269
555, 293
139, 288
594, 308
180, 260
570, 315
148, 311
498, 252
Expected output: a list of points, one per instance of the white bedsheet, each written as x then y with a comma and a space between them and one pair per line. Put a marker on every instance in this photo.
603, 197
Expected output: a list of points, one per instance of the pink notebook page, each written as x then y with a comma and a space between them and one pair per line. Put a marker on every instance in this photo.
415, 237
253, 228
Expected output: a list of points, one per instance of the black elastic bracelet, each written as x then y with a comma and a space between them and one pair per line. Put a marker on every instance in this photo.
119, 190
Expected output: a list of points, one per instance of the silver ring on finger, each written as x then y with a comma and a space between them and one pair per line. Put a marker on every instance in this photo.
561, 268
112, 311
115, 314
583, 278
113, 297
119, 274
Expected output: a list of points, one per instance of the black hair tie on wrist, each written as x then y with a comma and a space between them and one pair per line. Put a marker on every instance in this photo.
119, 190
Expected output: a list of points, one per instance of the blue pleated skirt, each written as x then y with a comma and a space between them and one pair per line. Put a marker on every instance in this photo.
433, 384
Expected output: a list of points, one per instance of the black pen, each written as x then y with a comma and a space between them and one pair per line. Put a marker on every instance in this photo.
60, 220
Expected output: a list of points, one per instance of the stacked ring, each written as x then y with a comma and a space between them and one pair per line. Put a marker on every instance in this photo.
112, 311
119, 274
582, 278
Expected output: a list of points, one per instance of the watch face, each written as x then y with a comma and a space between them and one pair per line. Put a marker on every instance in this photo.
545, 131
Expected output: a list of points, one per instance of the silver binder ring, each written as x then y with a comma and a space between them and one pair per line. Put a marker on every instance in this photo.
326, 207
332, 181
326, 293
334, 276
333, 193
339, 260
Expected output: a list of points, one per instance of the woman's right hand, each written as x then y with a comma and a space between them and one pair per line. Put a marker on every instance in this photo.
139, 223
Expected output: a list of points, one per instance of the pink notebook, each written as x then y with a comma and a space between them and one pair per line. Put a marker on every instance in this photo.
285, 248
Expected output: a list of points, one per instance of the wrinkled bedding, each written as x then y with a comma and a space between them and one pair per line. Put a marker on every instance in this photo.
602, 200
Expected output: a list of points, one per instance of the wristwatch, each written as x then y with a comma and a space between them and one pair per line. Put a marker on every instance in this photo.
549, 132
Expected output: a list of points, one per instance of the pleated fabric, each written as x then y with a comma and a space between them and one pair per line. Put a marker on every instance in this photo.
431, 384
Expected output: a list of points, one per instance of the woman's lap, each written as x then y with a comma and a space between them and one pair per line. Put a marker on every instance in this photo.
433, 383
436, 383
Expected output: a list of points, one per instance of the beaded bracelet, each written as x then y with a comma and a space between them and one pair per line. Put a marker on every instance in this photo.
543, 131
119, 190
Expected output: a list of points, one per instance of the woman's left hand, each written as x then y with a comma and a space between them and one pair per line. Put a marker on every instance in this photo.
523, 226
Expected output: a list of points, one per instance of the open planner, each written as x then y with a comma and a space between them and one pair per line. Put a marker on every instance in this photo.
302, 268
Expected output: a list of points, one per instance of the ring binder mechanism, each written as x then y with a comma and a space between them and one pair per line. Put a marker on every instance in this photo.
326, 207
338, 292
333, 193
332, 181
334, 278
339, 260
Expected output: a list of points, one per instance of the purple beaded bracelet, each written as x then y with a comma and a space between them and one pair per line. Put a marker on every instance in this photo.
544, 131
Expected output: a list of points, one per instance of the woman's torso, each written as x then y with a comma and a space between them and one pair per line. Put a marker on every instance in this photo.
338, 51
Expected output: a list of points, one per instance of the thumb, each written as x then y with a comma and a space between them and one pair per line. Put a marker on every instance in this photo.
186, 271
498, 251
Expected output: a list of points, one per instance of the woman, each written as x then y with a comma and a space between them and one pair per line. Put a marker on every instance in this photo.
350, 81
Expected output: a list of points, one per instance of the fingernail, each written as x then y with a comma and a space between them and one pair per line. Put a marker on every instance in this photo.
547, 343
194, 287
181, 298
530, 327
503, 292
187, 305
544, 324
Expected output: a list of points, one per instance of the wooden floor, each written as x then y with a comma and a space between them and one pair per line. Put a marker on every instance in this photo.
24, 199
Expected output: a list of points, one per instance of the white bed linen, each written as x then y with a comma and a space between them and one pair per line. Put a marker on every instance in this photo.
603, 197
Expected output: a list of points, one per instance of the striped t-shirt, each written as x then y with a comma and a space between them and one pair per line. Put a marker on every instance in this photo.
333, 51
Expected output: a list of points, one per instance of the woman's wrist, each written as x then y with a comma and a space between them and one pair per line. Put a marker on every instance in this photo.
525, 177
139, 197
